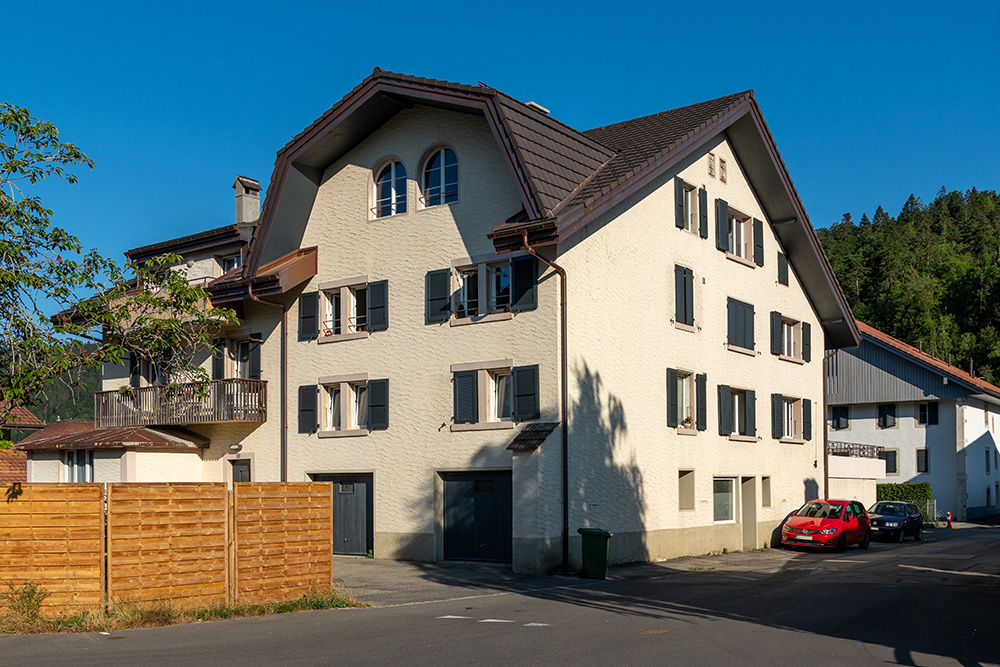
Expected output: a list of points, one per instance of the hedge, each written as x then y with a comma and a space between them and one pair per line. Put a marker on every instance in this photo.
915, 492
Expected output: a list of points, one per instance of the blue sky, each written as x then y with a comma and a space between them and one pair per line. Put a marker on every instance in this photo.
868, 102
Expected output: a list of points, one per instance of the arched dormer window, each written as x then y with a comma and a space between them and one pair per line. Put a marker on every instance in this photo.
440, 181
390, 190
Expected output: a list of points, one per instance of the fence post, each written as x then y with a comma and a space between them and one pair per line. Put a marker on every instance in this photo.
106, 566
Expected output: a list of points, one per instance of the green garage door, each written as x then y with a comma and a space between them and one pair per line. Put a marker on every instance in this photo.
477, 516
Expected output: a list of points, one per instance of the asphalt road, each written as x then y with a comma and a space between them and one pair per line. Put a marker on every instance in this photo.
935, 602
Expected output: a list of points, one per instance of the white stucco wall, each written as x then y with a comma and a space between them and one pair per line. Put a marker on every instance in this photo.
167, 467
45, 467
980, 422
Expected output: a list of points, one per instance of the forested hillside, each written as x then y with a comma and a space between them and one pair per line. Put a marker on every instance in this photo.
930, 276
69, 397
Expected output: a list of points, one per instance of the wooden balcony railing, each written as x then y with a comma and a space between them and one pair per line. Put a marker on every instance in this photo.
854, 450
233, 400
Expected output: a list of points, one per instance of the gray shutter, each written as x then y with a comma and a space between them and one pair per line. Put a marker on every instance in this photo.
437, 288
890, 415
758, 242
378, 306
725, 410
523, 279
466, 397
679, 309
703, 212
776, 332
219, 359
777, 416
526, 403
748, 326
378, 404
807, 419
255, 342
671, 397
734, 318
782, 269
721, 225
751, 412
806, 342
133, 369
932, 413
309, 316
688, 296
679, 202
701, 396
307, 408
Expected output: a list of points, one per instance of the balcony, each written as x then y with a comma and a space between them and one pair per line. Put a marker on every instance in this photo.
850, 460
854, 450
219, 401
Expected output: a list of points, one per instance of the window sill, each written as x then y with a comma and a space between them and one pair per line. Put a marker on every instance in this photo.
349, 433
720, 523
483, 426
741, 260
792, 441
743, 438
684, 327
480, 319
336, 338
686, 431
794, 360
741, 350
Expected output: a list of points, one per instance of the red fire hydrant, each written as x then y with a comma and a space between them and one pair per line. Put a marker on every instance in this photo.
949, 519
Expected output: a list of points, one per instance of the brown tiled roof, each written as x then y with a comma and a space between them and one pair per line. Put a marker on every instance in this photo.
82, 434
21, 417
13, 467
532, 436
225, 235
926, 359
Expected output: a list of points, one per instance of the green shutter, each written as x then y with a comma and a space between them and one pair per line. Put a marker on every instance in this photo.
703, 212
437, 288
777, 416
807, 419
219, 359
679, 202
701, 396
526, 403
309, 316
722, 225
255, 343
751, 412
758, 242
523, 279
466, 397
748, 326
725, 410
378, 404
689, 296
671, 397
782, 269
776, 333
679, 309
307, 408
378, 306
806, 342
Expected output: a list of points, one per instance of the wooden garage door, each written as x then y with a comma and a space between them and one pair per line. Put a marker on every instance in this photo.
477, 516
353, 504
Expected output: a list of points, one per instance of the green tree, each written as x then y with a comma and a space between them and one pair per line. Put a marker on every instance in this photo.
148, 310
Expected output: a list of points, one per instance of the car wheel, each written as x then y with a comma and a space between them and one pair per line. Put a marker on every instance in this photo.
865, 542
841, 543
920, 534
900, 534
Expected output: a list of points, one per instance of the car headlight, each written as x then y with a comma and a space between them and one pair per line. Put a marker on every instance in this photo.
786, 529
828, 531
892, 524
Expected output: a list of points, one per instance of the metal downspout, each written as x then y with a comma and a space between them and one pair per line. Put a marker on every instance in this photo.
284, 378
564, 396
826, 434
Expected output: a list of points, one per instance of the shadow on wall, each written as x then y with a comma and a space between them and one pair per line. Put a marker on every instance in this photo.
811, 490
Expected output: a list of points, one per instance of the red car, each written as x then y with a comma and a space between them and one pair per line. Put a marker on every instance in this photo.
833, 524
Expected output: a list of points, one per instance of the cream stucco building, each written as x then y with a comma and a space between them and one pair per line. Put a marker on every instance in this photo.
490, 329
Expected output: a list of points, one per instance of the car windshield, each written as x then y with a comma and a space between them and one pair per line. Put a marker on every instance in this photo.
888, 509
820, 510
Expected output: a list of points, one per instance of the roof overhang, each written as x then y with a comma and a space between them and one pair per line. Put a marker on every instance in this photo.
144, 438
274, 278
192, 243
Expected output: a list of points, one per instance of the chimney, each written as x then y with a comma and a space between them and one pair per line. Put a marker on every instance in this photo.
247, 200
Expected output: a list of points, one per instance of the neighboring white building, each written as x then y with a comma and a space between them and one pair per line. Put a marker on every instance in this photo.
447, 289
934, 422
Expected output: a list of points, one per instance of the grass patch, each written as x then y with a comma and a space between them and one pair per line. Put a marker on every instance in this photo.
697, 568
21, 612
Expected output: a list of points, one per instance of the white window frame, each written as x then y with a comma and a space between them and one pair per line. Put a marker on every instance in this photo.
233, 261
75, 461
686, 408
740, 240
340, 319
396, 199
738, 402
486, 393
732, 500
496, 301
501, 391
722, 169
791, 335
490, 305
691, 208
445, 188
467, 295
711, 165
351, 393
791, 418
241, 366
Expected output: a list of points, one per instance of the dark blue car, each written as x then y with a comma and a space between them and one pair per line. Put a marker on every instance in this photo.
895, 520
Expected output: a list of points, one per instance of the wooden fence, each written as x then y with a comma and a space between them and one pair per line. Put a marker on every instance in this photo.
187, 544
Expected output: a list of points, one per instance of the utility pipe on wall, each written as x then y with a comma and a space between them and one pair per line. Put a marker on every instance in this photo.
284, 378
564, 395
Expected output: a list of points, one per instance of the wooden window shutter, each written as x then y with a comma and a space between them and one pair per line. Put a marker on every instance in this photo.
438, 295
378, 306
807, 419
255, 342
378, 404
703, 212
776, 333
932, 413
777, 416
722, 225
758, 242
526, 404
689, 296
671, 397
523, 279
219, 359
751, 412
806, 342
679, 202
466, 397
725, 410
307, 408
701, 397
680, 308
734, 318
782, 269
748, 326
309, 316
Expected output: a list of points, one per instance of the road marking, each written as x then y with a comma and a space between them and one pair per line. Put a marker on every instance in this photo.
494, 620
844, 560
593, 582
449, 616
934, 569
536, 625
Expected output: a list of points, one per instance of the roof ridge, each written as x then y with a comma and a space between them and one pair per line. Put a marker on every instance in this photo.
742, 94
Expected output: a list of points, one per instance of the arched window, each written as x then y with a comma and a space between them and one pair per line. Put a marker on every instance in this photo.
441, 178
390, 190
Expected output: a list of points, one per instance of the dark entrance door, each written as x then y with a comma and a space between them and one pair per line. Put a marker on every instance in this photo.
477, 516
353, 511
